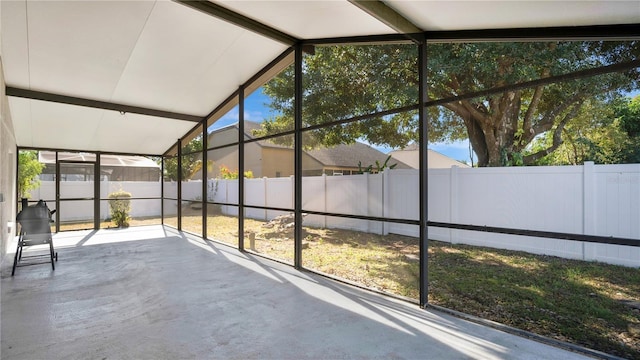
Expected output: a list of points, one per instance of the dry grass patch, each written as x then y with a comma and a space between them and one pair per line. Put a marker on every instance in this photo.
569, 300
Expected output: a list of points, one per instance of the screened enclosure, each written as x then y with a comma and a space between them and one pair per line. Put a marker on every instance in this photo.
282, 146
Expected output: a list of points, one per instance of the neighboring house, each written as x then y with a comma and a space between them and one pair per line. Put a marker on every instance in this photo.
344, 160
268, 159
410, 156
262, 158
79, 167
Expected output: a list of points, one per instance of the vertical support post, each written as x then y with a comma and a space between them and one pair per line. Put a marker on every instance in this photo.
324, 199
370, 224
386, 202
264, 200
453, 203
18, 197
588, 205
96, 192
423, 139
57, 193
297, 209
241, 169
205, 179
162, 189
252, 241
179, 184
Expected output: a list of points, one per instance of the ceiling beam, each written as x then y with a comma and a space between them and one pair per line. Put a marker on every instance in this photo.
242, 21
70, 100
617, 32
387, 15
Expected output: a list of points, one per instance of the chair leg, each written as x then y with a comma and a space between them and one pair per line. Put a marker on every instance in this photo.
53, 266
15, 258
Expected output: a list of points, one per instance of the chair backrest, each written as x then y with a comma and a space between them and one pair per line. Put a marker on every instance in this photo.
35, 222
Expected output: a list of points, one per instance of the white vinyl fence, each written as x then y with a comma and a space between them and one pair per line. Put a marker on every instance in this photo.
602, 200
83, 210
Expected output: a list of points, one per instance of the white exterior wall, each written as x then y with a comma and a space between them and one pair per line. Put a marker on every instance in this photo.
8, 170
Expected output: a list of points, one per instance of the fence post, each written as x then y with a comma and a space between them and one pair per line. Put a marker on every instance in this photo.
226, 197
324, 204
368, 192
264, 189
453, 203
385, 202
588, 203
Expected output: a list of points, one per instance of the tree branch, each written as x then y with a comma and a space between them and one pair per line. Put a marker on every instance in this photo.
535, 101
557, 136
548, 120
473, 111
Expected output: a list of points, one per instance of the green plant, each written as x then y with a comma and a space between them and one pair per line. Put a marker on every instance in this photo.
227, 174
379, 167
28, 170
120, 204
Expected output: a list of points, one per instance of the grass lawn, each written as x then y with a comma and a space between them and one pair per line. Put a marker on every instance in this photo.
569, 300
583, 303
105, 224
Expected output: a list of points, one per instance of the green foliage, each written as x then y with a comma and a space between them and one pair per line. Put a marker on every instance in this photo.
342, 82
191, 161
170, 167
598, 133
628, 114
379, 167
227, 174
628, 111
513, 158
28, 170
339, 86
120, 205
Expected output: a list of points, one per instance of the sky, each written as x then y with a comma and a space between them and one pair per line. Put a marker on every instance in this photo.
257, 109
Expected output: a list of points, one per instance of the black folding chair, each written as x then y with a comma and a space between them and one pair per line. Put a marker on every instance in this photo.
35, 229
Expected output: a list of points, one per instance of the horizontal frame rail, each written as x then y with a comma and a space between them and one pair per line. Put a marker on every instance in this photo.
609, 240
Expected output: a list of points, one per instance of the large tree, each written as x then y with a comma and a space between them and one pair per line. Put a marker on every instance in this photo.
342, 82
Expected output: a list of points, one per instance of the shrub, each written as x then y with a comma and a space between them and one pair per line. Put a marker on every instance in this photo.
120, 204
227, 174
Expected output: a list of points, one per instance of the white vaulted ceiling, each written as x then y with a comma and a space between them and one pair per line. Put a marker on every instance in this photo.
166, 56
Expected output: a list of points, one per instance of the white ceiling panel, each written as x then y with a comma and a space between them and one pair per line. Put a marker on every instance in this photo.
186, 61
310, 19
143, 134
21, 115
483, 14
15, 48
54, 125
46, 124
77, 48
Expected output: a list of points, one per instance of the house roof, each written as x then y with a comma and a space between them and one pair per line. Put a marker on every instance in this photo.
338, 156
249, 127
133, 76
352, 154
410, 156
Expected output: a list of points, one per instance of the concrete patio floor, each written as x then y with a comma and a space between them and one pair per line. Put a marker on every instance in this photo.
155, 293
